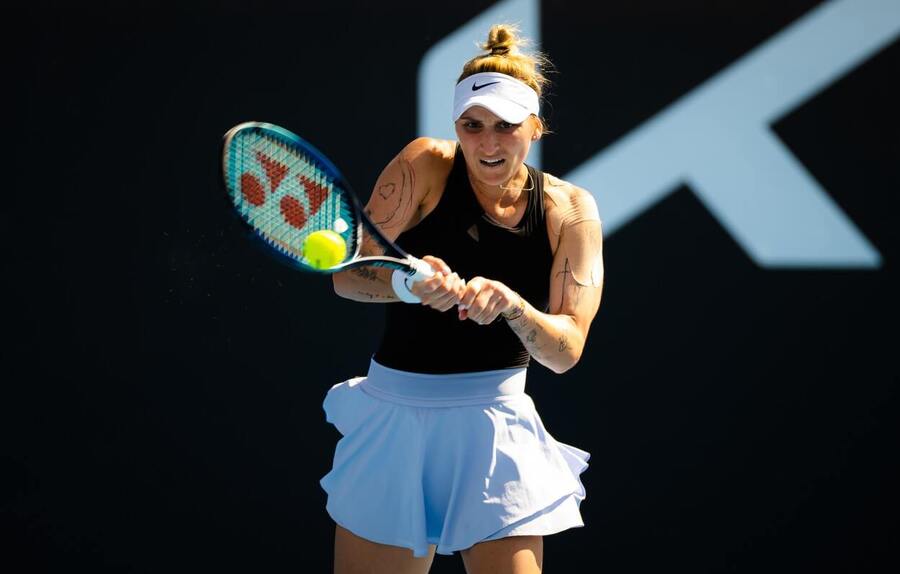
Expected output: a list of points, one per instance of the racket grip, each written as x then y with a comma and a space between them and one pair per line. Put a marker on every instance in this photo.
402, 280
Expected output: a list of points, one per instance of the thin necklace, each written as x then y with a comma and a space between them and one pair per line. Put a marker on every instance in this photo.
486, 216
531, 179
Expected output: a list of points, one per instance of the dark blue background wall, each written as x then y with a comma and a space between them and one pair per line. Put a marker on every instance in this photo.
162, 380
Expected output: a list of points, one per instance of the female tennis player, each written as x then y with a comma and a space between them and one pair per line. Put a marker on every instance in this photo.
442, 450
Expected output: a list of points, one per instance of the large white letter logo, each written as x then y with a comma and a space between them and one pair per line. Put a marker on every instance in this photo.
717, 139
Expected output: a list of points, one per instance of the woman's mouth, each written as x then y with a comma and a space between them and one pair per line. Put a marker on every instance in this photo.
492, 162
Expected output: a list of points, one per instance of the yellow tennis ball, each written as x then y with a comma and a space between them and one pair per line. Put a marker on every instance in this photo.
324, 249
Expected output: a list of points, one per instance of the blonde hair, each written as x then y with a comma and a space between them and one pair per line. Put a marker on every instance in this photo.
505, 57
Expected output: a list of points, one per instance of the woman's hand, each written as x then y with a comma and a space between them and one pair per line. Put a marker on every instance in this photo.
483, 300
441, 291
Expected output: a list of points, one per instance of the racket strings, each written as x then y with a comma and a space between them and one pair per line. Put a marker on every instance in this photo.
285, 195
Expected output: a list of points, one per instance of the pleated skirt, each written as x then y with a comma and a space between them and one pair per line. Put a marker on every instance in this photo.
449, 460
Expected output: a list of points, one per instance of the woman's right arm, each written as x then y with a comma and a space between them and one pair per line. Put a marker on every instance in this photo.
397, 204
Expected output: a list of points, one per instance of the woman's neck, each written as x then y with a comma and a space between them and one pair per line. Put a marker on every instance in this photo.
504, 203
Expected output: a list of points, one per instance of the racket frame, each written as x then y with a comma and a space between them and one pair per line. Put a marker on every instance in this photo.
403, 261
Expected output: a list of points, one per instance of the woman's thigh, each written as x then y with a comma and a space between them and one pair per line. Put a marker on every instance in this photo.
355, 555
512, 555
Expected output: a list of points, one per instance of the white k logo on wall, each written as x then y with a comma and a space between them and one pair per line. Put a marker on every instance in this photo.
717, 139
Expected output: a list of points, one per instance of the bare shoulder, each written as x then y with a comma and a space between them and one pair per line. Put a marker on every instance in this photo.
421, 165
429, 154
430, 161
410, 185
566, 204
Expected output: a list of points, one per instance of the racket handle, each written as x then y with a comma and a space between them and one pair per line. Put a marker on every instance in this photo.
402, 280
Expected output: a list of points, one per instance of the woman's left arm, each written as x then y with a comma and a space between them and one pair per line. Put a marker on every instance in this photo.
555, 339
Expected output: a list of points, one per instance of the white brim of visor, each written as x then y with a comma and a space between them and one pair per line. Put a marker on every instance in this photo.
506, 97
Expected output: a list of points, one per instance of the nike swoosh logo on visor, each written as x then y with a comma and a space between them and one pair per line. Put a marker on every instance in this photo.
476, 87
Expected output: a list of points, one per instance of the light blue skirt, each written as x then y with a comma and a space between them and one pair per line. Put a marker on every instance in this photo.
450, 460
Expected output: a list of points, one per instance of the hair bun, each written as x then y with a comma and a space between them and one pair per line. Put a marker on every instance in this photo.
502, 39
506, 52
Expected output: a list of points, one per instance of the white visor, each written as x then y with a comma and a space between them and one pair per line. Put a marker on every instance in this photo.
510, 99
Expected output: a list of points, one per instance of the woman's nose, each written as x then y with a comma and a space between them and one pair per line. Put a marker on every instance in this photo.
489, 142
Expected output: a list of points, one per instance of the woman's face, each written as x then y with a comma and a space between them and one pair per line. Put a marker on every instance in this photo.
494, 149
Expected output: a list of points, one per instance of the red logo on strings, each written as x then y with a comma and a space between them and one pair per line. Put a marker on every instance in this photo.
291, 208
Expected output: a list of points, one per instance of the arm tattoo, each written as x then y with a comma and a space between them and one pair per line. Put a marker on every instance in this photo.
370, 245
397, 196
563, 343
526, 325
365, 273
577, 288
565, 273
373, 296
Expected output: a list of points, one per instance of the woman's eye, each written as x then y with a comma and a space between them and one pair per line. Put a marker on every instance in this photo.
506, 126
471, 125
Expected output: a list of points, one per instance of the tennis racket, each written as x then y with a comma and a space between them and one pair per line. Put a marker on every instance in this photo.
284, 189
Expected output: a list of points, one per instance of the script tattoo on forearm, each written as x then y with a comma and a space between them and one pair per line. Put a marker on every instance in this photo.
397, 196
373, 296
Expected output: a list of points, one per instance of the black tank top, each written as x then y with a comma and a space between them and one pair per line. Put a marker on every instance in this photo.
419, 339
